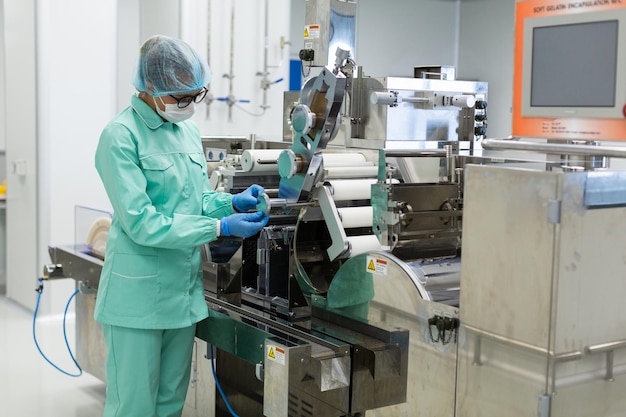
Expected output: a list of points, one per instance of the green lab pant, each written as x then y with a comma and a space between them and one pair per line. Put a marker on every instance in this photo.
147, 371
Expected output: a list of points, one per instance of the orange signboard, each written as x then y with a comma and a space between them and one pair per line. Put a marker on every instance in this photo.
584, 128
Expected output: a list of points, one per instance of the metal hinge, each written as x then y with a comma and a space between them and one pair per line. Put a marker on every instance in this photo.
554, 211
543, 405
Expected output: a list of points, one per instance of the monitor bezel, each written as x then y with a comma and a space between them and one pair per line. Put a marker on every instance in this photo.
612, 112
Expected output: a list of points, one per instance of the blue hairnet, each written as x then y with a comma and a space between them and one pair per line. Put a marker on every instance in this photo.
169, 66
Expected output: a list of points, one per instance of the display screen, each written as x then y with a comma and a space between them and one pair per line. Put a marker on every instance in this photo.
574, 65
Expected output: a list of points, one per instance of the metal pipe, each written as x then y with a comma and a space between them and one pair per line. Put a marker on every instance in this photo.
283, 203
266, 40
224, 137
606, 347
609, 366
503, 339
402, 153
230, 75
609, 349
391, 98
209, 98
450, 163
415, 99
553, 148
478, 343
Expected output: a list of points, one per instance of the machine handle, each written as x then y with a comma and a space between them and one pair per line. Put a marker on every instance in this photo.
513, 144
53, 271
608, 348
441, 75
392, 99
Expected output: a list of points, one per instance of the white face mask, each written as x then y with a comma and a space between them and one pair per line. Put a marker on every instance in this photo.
173, 113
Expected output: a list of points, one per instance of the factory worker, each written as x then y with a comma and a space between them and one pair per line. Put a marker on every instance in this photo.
150, 297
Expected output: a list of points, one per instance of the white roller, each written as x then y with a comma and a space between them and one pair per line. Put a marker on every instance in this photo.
260, 160
266, 160
463, 101
351, 172
344, 160
384, 98
362, 244
356, 216
343, 190
215, 179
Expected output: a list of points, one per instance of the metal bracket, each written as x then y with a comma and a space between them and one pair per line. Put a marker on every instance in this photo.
554, 211
85, 288
543, 405
52, 271
609, 349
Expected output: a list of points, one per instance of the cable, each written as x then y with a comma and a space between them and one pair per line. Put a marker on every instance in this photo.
249, 112
39, 291
219, 387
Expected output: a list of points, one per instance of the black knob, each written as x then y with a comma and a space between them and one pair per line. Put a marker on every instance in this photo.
480, 131
481, 104
480, 117
306, 54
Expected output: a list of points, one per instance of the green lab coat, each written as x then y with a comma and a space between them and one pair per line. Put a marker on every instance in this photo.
155, 176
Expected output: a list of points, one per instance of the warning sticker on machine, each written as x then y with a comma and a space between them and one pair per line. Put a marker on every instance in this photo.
276, 353
312, 32
376, 265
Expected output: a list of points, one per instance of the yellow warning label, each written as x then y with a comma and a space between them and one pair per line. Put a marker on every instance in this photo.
276, 354
371, 266
376, 265
312, 32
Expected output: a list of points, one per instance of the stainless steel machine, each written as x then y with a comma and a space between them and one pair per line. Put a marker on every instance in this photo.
382, 239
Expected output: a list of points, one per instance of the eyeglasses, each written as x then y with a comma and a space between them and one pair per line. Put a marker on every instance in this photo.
187, 100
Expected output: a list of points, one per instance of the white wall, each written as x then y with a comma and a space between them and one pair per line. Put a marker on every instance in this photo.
396, 35
296, 29
2, 89
486, 54
3, 275
21, 133
76, 62
248, 57
127, 40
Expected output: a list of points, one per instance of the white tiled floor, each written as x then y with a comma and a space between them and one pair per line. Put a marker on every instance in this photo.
29, 386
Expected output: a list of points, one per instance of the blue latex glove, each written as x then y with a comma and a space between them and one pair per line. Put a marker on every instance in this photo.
248, 199
243, 224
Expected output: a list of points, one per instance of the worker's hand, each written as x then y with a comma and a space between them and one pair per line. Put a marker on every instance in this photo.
248, 199
243, 224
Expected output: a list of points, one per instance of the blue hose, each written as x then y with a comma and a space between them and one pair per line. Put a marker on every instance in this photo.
219, 387
39, 291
